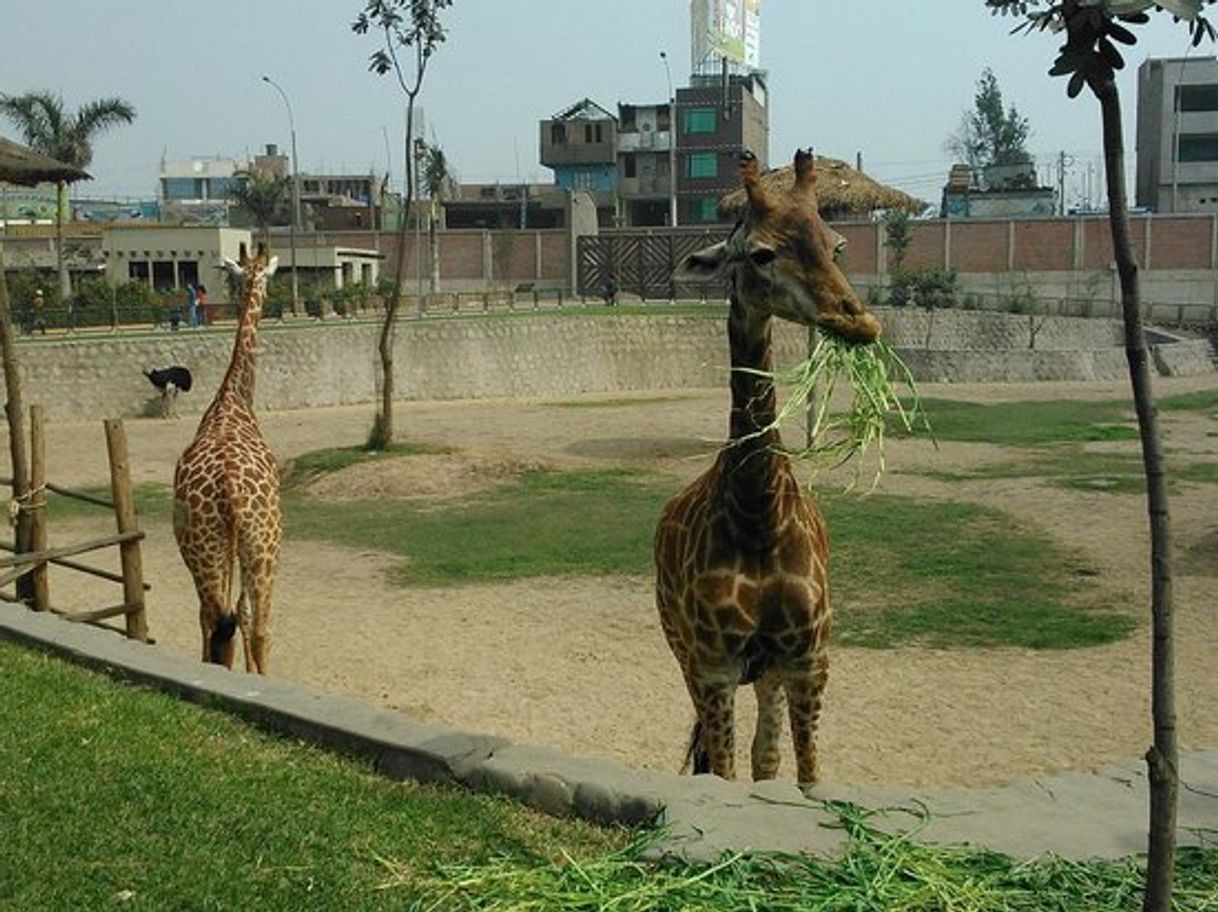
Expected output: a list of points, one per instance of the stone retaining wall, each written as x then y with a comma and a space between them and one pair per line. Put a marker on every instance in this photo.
548, 355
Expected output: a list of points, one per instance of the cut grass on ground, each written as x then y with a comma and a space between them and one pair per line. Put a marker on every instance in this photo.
171, 806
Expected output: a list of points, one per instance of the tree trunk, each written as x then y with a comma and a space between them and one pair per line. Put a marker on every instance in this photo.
1162, 757
65, 281
16, 431
381, 436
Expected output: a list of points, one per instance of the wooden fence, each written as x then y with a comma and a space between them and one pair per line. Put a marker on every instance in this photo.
29, 569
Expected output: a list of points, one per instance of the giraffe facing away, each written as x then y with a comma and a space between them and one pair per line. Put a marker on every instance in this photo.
226, 512
741, 553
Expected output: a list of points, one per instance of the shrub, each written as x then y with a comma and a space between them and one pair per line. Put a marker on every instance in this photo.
929, 288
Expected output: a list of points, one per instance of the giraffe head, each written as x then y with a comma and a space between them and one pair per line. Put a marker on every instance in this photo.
781, 258
251, 275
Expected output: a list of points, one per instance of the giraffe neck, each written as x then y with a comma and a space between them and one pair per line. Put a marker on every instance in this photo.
239, 379
751, 468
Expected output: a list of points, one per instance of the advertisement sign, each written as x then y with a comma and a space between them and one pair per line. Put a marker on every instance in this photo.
728, 29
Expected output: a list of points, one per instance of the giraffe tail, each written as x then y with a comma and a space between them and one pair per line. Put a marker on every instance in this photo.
225, 628
697, 760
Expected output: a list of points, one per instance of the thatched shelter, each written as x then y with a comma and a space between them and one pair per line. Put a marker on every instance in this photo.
23, 166
841, 192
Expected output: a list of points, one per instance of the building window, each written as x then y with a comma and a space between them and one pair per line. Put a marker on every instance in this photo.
1198, 147
592, 133
627, 123
558, 134
701, 209
1197, 97
629, 166
702, 164
163, 275
700, 120
137, 270
663, 120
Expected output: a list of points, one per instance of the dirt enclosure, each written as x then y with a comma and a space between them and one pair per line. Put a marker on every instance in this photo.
580, 663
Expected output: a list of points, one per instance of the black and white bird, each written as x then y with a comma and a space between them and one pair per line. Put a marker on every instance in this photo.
169, 381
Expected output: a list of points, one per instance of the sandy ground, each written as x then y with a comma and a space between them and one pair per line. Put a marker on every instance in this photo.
581, 665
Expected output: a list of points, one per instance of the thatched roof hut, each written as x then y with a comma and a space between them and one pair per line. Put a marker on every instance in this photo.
841, 192
23, 166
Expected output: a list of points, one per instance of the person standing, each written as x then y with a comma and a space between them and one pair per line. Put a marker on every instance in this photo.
192, 305
204, 313
40, 315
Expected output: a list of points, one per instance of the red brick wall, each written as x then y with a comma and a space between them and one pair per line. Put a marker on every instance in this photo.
926, 246
513, 256
461, 255
859, 255
979, 247
555, 257
1180, 243
1044, 245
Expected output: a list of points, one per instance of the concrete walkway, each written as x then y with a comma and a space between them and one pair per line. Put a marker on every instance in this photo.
1079, 815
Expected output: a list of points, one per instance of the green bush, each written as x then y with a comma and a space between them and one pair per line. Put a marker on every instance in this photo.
929, 288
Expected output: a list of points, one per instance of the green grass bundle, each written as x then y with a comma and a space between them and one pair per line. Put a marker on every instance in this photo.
872, 373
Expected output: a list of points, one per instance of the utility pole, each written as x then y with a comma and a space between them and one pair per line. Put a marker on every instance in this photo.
295, 189
672, 145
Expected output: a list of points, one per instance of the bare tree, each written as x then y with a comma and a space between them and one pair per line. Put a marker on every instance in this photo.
1090, 57
406, 26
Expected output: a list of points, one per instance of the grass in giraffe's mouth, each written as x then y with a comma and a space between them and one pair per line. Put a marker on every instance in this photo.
872, 373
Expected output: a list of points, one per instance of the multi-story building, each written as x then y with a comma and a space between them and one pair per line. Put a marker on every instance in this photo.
1177, 134
200, 191
717, 119
580, 144
645, 153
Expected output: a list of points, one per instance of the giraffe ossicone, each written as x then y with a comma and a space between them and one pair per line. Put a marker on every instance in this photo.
227, 517
741, 554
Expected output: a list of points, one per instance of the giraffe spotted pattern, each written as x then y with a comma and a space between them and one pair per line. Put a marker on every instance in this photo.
742, 553
227, 517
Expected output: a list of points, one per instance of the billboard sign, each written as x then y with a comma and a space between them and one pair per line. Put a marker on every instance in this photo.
729, 29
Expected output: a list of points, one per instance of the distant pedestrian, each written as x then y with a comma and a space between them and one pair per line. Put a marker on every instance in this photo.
204, 307
40, 315
192, 304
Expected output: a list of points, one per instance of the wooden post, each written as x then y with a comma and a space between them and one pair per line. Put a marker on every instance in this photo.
38, 507
124, 514
16, 427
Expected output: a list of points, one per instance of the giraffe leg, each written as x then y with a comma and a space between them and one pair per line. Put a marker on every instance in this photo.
804, 682
768, 689
257, 582
244, 618
715, 702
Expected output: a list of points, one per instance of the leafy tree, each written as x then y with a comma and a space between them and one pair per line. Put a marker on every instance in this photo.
1090, 57
898, 233
264, 196
990, 134
48, 128
405, 26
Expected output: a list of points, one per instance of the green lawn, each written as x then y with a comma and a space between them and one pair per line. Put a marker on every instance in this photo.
106, 788
113, 796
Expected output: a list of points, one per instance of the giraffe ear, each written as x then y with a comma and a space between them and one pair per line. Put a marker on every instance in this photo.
233, 268
271, 267
703, 265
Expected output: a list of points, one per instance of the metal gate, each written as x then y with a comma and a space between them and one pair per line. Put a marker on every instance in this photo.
640, 261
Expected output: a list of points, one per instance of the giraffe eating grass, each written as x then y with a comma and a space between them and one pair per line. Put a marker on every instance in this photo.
741, 554
226, 514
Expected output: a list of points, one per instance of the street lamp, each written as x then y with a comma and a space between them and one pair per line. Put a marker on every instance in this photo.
295, 188
672, 145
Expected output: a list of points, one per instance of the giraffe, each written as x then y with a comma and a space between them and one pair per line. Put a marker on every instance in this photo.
226, 494
741, 553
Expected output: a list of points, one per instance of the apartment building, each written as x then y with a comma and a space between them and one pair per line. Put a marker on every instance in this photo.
1177, 135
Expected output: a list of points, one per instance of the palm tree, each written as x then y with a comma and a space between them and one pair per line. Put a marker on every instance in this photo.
263, 195
48, 128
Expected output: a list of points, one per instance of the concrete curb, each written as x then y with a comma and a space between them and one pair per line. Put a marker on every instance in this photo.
1079, 815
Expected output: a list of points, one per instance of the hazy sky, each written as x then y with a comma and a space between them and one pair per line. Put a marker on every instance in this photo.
845, 77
